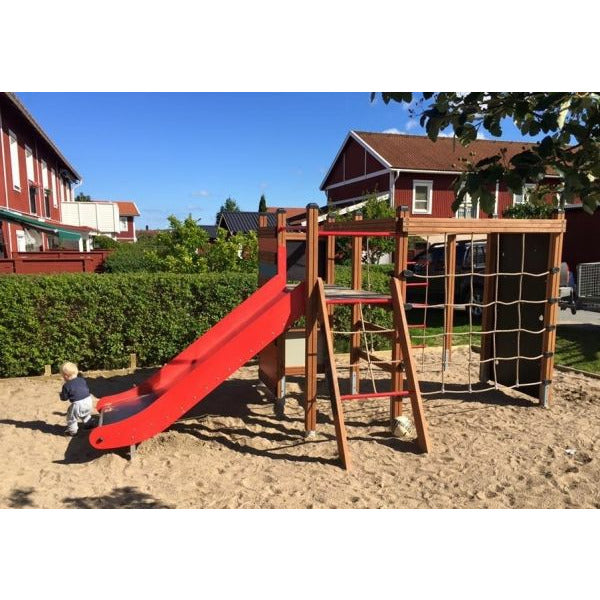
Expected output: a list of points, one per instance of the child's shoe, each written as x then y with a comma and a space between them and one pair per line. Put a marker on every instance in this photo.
89, 424
70, 432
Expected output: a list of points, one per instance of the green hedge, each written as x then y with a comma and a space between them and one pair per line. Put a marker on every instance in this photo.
98, 320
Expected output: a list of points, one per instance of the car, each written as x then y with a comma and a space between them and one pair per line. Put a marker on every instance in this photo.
470, 258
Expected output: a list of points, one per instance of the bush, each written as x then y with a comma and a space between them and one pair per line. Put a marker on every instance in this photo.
98, 320
132, 258
103, 242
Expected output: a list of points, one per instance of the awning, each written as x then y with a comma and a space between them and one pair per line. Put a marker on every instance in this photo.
63, 234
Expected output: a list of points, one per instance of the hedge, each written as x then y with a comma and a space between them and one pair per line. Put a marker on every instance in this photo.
98, 320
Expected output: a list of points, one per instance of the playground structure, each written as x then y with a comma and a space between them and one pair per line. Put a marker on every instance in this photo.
516, 341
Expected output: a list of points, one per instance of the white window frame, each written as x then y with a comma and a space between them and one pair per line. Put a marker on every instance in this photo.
123, 224
53, 182
422, 183
14, 160
44, 174
522, 198
29, 164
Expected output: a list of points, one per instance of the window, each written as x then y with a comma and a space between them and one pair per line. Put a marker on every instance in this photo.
29, 163
123, 222
14, 161
32, 204
53, 182
467, 210
47, 202
422, 197
44, 174
524, 197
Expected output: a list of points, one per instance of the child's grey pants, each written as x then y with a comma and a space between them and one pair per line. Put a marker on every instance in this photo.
79, 411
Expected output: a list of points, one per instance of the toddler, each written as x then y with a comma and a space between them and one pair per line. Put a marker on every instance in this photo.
76, 391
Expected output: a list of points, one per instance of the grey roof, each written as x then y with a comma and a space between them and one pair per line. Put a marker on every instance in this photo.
243, 222
23, 110
211, 230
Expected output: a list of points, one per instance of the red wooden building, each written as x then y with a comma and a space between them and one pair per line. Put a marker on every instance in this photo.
35, 178
410, 170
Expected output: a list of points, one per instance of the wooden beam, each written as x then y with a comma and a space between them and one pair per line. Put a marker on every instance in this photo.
551, 313
336, 403
487, 317
356, 284
409, 366
427, 225
450, 271
400, 264
330, 266
310, 364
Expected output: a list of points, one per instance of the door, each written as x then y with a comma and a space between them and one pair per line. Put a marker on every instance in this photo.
21, 241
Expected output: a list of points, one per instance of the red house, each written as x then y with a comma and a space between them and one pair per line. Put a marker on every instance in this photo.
410, 170
35, 178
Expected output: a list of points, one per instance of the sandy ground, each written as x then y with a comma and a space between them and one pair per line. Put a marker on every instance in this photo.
492, 449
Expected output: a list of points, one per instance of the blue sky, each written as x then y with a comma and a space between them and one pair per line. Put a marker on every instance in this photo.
181, 153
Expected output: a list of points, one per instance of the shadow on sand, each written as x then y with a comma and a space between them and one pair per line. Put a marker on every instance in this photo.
125, 497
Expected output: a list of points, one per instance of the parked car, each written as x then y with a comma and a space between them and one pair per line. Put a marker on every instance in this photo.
470, 258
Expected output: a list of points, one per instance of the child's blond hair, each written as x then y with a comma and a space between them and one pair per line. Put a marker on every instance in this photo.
69, 369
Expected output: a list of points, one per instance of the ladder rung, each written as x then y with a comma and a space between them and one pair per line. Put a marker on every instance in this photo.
418, 346
401, 394
359, 301
418, 326
417, 284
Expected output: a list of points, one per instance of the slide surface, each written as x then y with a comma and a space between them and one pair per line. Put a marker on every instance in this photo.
143, 411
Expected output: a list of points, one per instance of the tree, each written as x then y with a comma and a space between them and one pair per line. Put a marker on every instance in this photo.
262, 205
570, 147
230, 205
82, 198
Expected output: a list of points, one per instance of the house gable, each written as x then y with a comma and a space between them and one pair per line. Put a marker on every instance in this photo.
355, 160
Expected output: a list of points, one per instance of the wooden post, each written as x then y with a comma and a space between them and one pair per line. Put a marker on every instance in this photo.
330, 269
400, 265
310, 363
336, 403
47, 370
551, 312
402, 336
450, 271
487, 316
280, 342
133, 361
355, 319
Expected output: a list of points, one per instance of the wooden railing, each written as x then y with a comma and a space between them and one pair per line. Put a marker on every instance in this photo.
59, 261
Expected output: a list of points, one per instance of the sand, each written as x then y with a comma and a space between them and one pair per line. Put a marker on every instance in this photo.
490, 450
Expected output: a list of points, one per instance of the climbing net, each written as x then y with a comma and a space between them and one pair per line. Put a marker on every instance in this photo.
483, 320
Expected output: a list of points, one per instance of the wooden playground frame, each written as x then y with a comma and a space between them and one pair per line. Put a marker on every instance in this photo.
322, 296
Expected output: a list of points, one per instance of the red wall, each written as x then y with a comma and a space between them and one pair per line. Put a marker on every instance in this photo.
19, 200
354, 161
130, 233
580, 243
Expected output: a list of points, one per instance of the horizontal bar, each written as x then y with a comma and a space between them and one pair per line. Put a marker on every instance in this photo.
357, 233
402, 394
359, 301
428, 225
417, 284
419, 326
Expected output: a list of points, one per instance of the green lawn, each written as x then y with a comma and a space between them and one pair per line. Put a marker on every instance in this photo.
578, 346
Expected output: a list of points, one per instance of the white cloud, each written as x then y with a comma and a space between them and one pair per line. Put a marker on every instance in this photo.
411, 124
393, 130
481, 135
200, 194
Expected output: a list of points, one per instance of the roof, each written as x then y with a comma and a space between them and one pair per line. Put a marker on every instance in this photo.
243, 222
419, 153
16, 102
126, 207
211, 230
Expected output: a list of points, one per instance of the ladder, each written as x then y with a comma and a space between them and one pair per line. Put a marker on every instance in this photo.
413, 392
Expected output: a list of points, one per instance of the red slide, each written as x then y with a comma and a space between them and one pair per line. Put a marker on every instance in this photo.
143, 411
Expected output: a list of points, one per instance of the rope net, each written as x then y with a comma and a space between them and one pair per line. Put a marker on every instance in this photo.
507, 291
